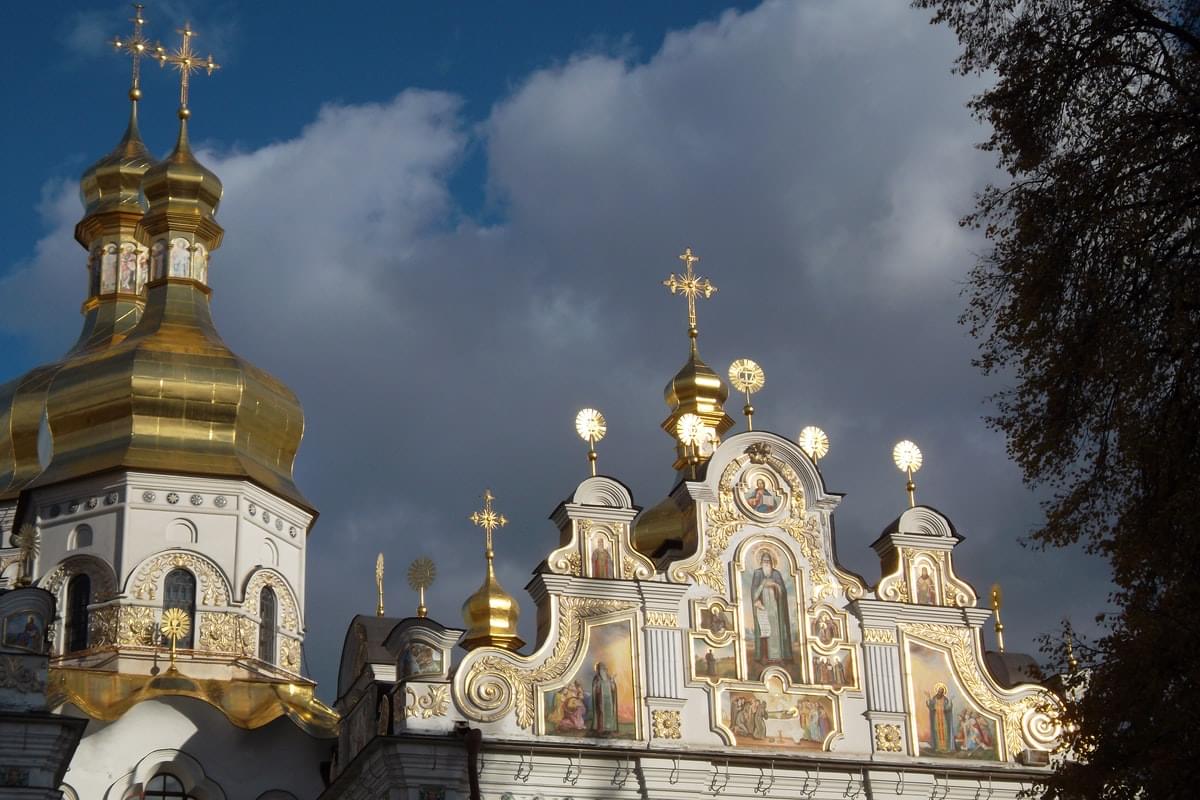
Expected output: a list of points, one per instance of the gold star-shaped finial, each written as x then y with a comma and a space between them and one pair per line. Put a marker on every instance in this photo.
690, 286
488, 519
186, 61
135, 46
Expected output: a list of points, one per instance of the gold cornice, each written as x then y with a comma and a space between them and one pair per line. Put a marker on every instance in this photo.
247, 703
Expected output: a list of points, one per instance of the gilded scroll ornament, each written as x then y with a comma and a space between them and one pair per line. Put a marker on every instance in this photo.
1028, 720
136, 626
289, 654
227, 632
288, 616
499, 682
104, 585
887, 738
213, 589
665, 723
435, 702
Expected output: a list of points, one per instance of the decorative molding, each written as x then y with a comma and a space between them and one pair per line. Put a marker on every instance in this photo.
435, 702
888, 738
227, 632
665, 723
662, 619
499, 681
214, 589
879, 636
289, 617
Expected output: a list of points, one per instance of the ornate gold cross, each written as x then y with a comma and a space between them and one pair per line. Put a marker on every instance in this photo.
186, 61
690, 286
488, 519
135, 46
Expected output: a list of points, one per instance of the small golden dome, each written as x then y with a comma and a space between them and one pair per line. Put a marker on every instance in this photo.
664, 527
183, 196
696, 389
491, 615
111, 189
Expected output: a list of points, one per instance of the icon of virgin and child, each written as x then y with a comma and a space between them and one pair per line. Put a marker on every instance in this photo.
771, 609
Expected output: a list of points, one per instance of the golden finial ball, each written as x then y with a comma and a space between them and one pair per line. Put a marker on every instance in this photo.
590, 425
746, 376
997, 596
690, 429
814, 442
175, 624
907, 456
421, 574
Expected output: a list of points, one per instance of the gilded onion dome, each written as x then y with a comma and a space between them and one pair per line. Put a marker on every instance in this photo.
116, 282
491, 613
172, 397
696, 389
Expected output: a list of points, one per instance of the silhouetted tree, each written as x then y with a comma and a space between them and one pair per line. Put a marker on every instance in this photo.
1088, 297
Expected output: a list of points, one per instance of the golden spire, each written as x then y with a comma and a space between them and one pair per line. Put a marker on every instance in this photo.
379, 584
591, 427
421, 574
747, 376
136, 46
186, 61
1069, 640
491, 613
908, 459
696, 388
997, 598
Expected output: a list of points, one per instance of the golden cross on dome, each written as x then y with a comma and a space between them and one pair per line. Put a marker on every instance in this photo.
488, 519
136, 46
186, 61
690, 286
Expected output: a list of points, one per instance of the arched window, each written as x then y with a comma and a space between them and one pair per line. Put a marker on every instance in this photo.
79, 596
165, 786
179, 591
266, 628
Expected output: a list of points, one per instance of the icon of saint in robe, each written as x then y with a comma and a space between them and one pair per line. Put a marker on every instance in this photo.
772, 613
926, 589
604, 702
602, 564
941, 719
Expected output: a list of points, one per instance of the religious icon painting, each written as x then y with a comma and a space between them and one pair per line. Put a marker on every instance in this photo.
108, 269
714, 662
600, 700
770, 602
947, 722
717, 620
25, 630
924, 576
143, 269
421, 660
158, 260
836, 669
94, 272
127, 276
759, 493
826, 629
200, 264
181, 258
600, 555
778, 718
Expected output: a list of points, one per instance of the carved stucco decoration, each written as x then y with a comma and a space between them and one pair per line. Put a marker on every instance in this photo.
227, 632
214, 588
104, 582
16, 674
665, 723
1028, 713
879, 636
289, 618
888, 738
434, 702
952, 590
121, 626
487, 687
706, 566
289, 654
571, 558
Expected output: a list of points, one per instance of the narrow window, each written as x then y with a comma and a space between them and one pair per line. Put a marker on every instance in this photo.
266, 628
79, 596
179, 591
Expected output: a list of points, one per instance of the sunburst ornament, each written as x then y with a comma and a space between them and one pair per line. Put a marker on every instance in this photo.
175, 625
747, 377
814, 442
908, 459
28, 543
591, 427
690, 429
421, 574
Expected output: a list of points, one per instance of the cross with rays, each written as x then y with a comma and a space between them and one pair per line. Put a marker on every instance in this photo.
488, 519
690, 286
136, 46
186, 61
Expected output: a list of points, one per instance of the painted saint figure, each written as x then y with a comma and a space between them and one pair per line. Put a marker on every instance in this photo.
158, 260
128, 273
824, 629
602, 564
710, 663
181, 258
604, 702
941, 719
926, 590
772, 613
760, 498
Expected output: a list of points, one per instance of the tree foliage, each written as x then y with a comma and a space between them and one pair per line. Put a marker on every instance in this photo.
1088, 297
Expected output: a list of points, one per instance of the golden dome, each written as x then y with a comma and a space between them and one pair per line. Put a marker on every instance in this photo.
111, 189
172, 397
696, 389
491, 615
664, 527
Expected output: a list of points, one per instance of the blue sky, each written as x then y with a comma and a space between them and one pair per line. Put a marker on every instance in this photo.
447, 225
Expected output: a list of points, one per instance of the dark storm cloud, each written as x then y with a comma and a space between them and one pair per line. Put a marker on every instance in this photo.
816, 157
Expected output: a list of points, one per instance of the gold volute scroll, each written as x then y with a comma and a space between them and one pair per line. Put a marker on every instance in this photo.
491, 613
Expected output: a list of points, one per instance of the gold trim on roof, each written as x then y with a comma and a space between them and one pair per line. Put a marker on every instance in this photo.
246, 703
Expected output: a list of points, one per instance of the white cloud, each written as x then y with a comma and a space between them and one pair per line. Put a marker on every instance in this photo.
816, 155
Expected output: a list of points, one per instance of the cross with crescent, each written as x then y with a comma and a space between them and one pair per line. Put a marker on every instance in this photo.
136, 46
488, 519
690, 286
187, 62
